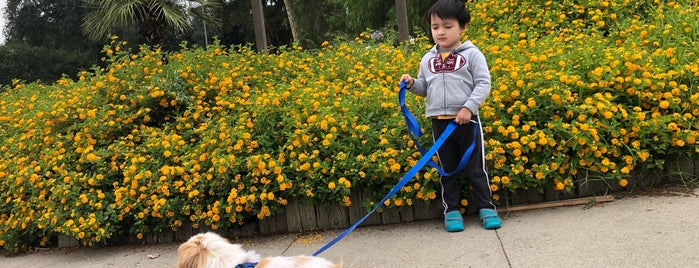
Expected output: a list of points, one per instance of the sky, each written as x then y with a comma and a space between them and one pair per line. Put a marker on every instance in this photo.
2, 20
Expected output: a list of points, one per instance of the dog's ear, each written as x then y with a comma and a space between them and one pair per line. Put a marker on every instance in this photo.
189, 254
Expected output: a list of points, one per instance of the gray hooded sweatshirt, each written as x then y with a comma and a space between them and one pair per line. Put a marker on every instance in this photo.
461, 80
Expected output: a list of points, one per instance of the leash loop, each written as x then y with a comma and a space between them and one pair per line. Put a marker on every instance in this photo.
415, 131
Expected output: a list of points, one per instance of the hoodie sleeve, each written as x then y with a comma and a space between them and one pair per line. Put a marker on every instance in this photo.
481, 81
420, 83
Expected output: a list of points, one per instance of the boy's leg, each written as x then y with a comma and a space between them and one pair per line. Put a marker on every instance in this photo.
449, 158
475, 170
478, 179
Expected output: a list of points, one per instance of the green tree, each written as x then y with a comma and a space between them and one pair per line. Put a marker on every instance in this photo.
44, 41
152, 18
320, 20
237, 25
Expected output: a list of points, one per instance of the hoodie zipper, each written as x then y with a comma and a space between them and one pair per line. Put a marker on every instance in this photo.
444, 82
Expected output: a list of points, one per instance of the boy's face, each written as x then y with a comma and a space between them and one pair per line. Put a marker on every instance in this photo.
446, 32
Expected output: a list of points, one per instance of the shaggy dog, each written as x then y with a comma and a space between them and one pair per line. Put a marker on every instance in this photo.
210, 250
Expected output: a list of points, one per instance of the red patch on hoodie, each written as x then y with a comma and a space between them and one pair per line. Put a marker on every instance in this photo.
452, 63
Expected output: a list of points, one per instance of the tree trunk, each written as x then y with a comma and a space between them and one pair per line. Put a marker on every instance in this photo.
258, 19
402, 16
292, 20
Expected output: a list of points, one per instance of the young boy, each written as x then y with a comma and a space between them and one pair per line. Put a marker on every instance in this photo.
455, 80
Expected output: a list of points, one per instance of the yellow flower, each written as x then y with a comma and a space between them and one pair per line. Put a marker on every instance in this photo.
517, 152
559, 186
505, 180
623, 182
331, 185
679, 143
664, 104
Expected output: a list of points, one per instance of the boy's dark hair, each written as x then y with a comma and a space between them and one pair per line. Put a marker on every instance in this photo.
450, 9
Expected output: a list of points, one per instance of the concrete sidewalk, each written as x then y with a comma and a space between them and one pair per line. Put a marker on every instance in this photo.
660, 229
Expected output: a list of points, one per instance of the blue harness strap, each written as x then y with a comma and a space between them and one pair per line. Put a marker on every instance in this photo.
246, 265
427, 157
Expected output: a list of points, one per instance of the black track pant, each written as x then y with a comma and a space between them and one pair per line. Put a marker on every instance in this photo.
449, 157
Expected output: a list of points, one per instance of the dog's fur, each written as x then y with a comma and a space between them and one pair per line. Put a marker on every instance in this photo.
210, 250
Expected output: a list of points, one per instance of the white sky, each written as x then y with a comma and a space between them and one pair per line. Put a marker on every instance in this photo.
2, 20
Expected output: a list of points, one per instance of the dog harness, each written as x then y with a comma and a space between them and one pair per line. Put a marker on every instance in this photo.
246, 265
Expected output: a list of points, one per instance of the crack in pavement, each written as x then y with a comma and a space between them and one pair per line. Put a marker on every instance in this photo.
502, 246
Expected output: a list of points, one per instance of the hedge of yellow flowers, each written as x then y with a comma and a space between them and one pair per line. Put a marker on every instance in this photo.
222, 136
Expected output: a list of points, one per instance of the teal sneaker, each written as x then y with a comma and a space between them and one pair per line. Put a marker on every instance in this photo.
490, 219
454, 222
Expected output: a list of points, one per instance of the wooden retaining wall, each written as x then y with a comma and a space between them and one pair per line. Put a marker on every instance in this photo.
300, 216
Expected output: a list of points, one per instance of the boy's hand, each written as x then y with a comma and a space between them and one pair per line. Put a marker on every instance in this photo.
408, 80
464, 116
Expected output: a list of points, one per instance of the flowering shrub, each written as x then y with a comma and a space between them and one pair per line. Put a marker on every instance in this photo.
221, 136
587, 89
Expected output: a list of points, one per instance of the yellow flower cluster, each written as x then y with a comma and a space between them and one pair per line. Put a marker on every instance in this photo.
587, 89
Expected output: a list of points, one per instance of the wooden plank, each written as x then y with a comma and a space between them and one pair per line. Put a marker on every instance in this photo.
528, 196
264, 225
273, 224
373, 219
436, 209
358, 210
246, 230
332, 216
307, 212
421, 210
184, 232
159, 237
390, 215
560, 203
293, 216
594, 187
551, 194
684, 167
407, 213
277, 223
65, 241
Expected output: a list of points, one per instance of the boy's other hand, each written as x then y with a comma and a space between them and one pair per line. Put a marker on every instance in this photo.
464, 116
408, 80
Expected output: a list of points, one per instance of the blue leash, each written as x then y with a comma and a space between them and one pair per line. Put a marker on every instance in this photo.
427, 157
415, 131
